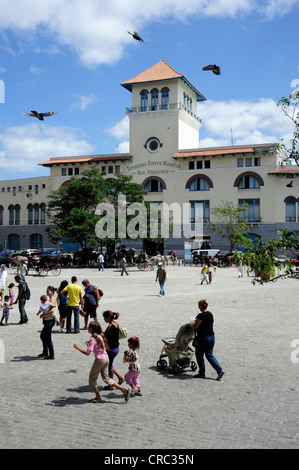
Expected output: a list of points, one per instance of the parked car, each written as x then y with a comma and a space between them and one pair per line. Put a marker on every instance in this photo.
5, 259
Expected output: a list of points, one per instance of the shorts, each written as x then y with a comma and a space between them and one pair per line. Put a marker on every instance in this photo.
91, 310
132, 377
5, 314
62, 308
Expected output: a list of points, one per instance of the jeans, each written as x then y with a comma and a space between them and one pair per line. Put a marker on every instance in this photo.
124, 270
206, 347
45, 336
76, 310
101, 266
162, 284
23, 314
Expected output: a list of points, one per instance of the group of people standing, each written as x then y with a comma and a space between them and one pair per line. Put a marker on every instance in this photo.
103, 344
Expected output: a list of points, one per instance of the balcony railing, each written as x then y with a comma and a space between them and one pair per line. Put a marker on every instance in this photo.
162, 107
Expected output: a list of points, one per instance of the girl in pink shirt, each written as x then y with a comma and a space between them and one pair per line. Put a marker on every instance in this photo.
96, 346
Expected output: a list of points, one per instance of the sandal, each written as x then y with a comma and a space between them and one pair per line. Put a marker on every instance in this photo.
120, 381
94, 400
127, 395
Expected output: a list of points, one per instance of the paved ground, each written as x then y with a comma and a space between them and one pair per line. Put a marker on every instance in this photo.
44, 404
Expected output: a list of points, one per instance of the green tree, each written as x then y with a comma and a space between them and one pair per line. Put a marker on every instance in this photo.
264, 262
72, 207
230, 224
290, 107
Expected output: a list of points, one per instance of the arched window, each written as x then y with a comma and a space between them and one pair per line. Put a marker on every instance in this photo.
165, 98
11, 214
36, 214
43, 213
154, 185
13, 241
248, 182
30, 214
144, 100
154, 99
17, 214
199, 184
36, 241
290, 209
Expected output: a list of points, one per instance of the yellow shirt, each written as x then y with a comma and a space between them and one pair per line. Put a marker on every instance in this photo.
73, 291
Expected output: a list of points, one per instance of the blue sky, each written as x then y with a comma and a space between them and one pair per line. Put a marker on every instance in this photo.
70, 56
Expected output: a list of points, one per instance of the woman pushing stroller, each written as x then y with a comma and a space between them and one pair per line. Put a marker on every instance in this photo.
205, 340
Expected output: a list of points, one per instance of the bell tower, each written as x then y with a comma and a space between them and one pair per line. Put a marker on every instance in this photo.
163, 117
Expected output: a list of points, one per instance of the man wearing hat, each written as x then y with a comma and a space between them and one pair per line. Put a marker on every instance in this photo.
3, 282
161, 276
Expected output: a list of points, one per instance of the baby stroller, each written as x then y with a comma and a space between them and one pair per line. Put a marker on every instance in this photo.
178, 351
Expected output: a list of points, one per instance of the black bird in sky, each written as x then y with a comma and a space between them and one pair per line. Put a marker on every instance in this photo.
40, 116
215, 69
136, 36
290, 184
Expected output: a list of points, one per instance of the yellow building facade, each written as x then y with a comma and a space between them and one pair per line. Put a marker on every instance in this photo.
164, 156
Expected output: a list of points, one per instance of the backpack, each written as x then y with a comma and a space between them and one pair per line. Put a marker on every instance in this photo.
27, 293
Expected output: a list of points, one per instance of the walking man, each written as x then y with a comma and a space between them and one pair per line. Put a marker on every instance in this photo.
161, 276
73, 293
21, 299
101, 262
124, 266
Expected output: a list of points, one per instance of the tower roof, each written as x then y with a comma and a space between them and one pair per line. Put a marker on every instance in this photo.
160, 72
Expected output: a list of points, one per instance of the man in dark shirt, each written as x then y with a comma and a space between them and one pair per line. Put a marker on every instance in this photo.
21, 300
161, 276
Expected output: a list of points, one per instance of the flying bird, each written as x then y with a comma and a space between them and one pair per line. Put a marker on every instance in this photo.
136, 36
215, 69
40, 116
290, 184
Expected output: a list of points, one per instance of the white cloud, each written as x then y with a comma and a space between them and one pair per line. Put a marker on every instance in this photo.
121, 129
86, 101
97, 31
23, 147
250, 122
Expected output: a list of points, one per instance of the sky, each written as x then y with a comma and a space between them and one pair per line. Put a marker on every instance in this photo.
70, 56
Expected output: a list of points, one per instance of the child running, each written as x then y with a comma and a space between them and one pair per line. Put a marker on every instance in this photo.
6, 308
100, 366
131, 356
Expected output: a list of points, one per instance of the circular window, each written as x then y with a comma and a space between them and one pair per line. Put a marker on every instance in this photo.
153, 145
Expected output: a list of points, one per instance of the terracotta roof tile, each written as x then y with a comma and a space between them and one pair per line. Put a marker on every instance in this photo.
216, 151
86, 158
159, 72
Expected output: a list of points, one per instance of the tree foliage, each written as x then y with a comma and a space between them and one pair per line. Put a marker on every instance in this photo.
71, 208
290, 107
230, 223
264, 259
